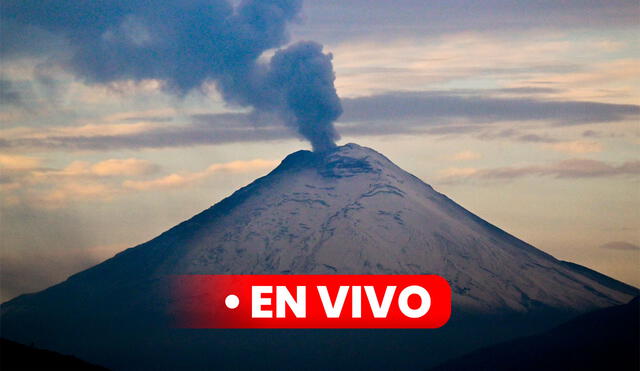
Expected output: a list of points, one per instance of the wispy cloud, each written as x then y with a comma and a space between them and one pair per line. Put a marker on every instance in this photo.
620, 245
577, 147
543, 63
437, 106
18, 162
189, 178
466, 156
25, 179
429, 112
434, 18
63, 192
110, 167
572, 168
104, 180
366, 67
609, 81
202, 130
85, 131
8, 94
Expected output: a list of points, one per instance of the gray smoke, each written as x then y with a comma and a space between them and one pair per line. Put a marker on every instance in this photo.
185, 44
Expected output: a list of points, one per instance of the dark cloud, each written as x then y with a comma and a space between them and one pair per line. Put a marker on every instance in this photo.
620, 245
439, 106
185, 44
340, 20
453, 129
583, 168
203, 130
535, 138
298, 85
431, 113
516, 135
600, 134
31, 96
8, 94
513, 71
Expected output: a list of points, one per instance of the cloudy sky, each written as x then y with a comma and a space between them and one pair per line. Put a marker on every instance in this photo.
119, 120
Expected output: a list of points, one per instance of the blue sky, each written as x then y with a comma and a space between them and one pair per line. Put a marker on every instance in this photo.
119, 120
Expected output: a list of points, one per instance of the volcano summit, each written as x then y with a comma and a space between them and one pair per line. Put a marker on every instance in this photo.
348, 210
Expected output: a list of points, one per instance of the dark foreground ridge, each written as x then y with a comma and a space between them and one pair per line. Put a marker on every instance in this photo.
14, 356
606, 339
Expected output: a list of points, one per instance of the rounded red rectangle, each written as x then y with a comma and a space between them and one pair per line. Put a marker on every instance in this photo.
311, 301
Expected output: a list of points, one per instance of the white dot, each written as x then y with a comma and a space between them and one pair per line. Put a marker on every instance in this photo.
232, 302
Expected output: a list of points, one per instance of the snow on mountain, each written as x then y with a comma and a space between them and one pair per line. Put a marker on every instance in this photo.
352, 211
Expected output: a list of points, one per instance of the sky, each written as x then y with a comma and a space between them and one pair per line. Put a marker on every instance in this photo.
122, 119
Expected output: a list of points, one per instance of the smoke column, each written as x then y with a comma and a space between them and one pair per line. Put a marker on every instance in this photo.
185, 44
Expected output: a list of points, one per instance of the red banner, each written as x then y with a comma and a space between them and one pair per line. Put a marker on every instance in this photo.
311, 301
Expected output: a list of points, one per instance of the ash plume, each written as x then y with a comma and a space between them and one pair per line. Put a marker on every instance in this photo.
185, 44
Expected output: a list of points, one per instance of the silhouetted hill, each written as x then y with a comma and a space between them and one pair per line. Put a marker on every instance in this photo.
14, 356
606, 339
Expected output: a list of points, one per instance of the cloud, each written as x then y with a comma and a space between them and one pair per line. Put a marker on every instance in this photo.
535, 138
31, 134
123, 167
514, 135
183, 46
410, 17
466, 156
543, 64
577, 147
305, 78
582, 168
107, 168
17, 162
137, 40
429, 112
613, 80
367, 67
67, 191
186, 179
457, 172
567, 169
438, 106
620, 245
8, 94
203, 130
157, 115
82, 181
25, 180
591, 134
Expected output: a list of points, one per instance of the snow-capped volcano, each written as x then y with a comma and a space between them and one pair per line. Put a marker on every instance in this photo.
345, 211
352, 211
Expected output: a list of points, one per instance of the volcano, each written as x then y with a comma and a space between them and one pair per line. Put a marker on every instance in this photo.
349, 210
